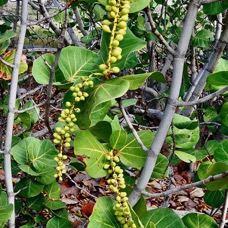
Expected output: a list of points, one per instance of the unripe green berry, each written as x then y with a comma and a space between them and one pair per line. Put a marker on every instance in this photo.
119, 37
122, 32
60, 119
72, 88
74, 94
77, 110
85, 94
60, 155
112, 14
58, 168
115, 9
77, 99
58, 129
85, 83
126, 6
108, 8
113, 59
115, 43
62, 132
60, 179
115, 70
56, 159
119, 57
106, 22
68, 119
66, 128
79, 94
80, 85
112, 2
56, 175
116, 159
70, 124
124, 18
117, 51
122, 24
105, 72
106, 166
82, 98
124, 11
77, 89
67, 140
66, 144
68, 104
56, 141
123, 194
106, 28
64, 157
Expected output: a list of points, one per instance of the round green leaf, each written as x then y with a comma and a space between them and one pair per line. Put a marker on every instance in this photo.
103, 214
35, 153
98, 103
185, 156
196, 220
221, 153
5, 212
162, 218
215, 7
160, 169
75, 62
54, 204
36, 203
58, 223
224, 114
53, 191
118, 139
92, 152
131, 154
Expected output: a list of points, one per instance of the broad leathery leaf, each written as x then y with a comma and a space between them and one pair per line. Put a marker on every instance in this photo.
75, 62
41, 70
34, 114
129, 44
136, 80
36, 203
35, 153
214, 198
57, 222
93, 109
136, 5
7, 35
131, 154
182, 122
54, 204
203, 39
102, 130
197, 220
29, 188
5, 212
46, 175
103, 215
224, 114
162, 218
186, 157
215, 7
207, 169
160, 169
4, 46
53, 191
92, 152
184, 138
118, 139
221, 153
220, 75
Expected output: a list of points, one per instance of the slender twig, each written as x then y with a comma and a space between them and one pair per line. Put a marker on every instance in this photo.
79, 21
6, 63
208, 1
10, 118
134, 132
177, 189
52, 75
31, 108
46, 17
224, 213
150, 91
80, 187
204, 99
155, 31
31, 91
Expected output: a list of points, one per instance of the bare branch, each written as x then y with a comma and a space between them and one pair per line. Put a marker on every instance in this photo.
224, 220
177, 189
134, 132
208, 1
10, 117
79, 21
204, 99
159, 35
6, 63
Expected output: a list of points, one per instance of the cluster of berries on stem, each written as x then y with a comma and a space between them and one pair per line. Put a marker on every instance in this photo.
116, 185
116, 24
62, 135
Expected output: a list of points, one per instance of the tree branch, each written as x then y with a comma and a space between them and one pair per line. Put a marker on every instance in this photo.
177, 189
10, 117
134, 132
160, 136
159, 35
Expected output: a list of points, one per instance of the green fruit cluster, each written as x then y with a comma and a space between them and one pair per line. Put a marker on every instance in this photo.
116, 182
116, 24
62, 135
